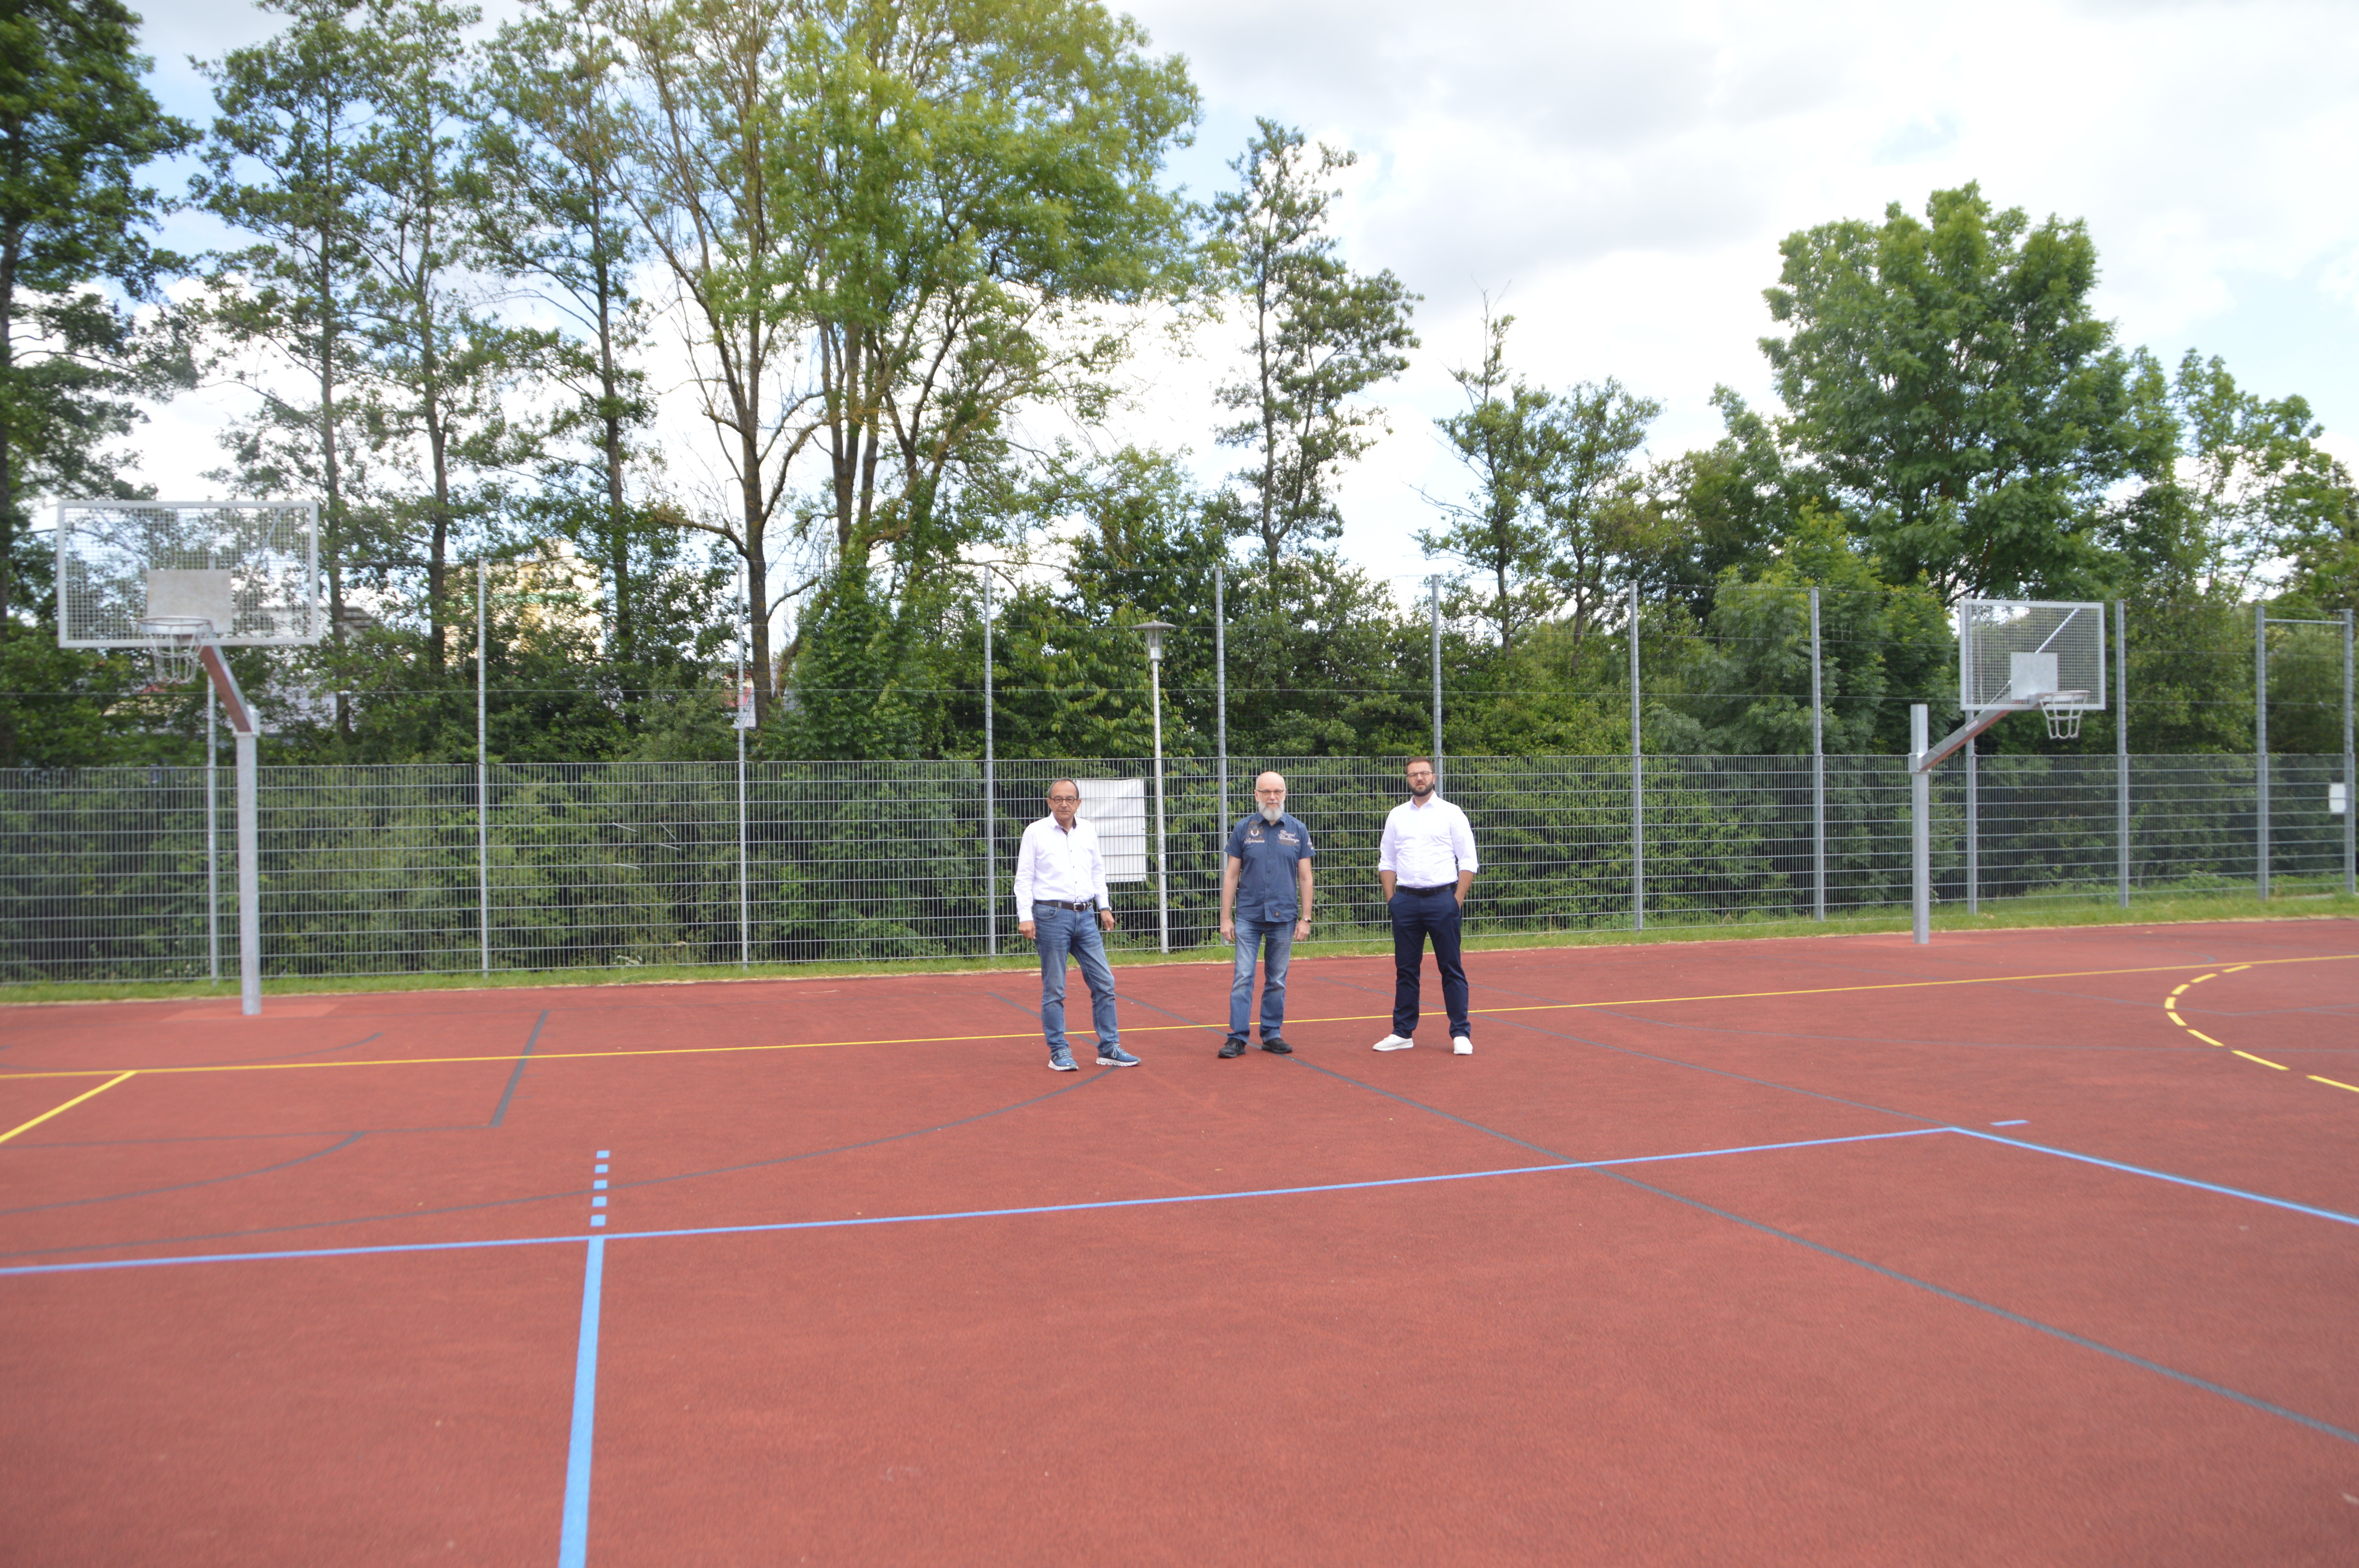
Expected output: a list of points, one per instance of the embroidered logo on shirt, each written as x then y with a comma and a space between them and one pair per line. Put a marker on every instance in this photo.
1253, 835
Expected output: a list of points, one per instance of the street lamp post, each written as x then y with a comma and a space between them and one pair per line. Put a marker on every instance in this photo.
1154, 630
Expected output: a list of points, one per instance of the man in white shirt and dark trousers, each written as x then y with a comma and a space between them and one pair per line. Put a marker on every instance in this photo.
1426, 864
1061, 904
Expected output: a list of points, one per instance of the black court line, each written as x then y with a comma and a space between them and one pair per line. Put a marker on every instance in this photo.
347, 1142
517, 1076
299, 1055
2067, 1335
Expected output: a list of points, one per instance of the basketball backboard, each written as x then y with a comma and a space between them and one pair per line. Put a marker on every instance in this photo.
131, 574
2027, 652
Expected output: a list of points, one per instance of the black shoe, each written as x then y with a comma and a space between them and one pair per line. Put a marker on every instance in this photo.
1277, 1047
1233, 1048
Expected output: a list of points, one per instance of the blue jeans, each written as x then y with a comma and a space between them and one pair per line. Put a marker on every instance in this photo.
1074, 930
1251, 934
1432, 913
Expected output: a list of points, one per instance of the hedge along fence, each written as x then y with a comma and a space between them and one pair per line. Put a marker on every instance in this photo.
377, 870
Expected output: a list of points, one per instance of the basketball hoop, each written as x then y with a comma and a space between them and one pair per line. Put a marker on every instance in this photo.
2063, 711
178, 639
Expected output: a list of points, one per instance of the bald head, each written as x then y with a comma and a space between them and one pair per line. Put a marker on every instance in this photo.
1269, 793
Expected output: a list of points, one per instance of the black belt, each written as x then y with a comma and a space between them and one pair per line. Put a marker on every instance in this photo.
1061, 903
1438, 887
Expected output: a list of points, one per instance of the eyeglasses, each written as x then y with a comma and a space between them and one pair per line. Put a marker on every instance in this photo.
1064, 800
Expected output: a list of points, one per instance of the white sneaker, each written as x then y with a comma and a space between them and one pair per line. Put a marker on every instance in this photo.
1395, 1042
1461, 1046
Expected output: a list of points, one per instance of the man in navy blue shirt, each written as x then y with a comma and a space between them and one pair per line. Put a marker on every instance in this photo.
1264, 900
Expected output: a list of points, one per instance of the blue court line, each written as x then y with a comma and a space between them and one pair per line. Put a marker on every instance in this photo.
573, 1540
2163, 1176
415, 1247
517, 1076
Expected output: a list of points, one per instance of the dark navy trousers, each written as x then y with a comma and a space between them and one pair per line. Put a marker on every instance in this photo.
1418, 915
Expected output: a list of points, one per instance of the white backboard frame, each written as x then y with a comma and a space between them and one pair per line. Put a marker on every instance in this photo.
112, 554
2046, 648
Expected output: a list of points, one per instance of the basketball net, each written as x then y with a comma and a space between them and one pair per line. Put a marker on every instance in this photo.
2063, 711
172, 657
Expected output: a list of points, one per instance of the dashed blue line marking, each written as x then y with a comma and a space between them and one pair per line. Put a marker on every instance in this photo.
2018, 1122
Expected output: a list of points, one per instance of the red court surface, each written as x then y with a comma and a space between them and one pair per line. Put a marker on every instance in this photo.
2032, 1246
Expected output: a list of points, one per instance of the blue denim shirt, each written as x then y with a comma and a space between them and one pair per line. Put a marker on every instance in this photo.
1268, 852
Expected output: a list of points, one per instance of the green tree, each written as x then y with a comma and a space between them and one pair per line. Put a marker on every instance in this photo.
281, 163
1318, 337
1964, 402
1881, 647
1505, 439
548, 141
894, 229
77, 125
440, 361
2257, 486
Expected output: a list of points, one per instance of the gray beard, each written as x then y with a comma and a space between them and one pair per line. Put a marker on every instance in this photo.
1272, 813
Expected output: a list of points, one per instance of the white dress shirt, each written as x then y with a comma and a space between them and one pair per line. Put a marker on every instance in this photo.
1427, 846
1058, 866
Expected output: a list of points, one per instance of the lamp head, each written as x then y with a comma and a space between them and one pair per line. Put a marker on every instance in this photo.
1154, 630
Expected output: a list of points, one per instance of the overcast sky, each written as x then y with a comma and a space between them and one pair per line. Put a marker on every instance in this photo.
1618, 177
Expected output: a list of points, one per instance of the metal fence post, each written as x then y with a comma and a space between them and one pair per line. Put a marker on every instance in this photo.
213, 839
1220, 696
482, 792
2350, 775
1973, 832
2122, 747
1921, 830
745, 879
2261, 749
1436, 586
1637, 783
1818, 773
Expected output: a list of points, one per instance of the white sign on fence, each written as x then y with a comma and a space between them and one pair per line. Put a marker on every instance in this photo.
1118, 808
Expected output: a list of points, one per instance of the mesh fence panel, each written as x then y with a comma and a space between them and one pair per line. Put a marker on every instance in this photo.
374, 870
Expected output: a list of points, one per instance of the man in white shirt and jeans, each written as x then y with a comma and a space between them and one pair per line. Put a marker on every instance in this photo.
1061, 904
1426, 864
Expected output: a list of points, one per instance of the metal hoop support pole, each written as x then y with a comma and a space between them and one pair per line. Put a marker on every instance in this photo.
1974, 831
483, 791
1818, 773
990, 793
2261, 750
249, 877
1920, 829
1637, 783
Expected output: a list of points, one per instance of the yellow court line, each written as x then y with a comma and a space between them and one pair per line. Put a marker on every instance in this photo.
2332, 1084
88, 1094
2205, 1038
2174, 1017
2201, 978
1153, 1028
2248, 1056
